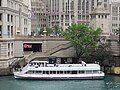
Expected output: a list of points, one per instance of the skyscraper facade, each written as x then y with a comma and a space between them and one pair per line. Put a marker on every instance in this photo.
115, 16
66, 12
38, 18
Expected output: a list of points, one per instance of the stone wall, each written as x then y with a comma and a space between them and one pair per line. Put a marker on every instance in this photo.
4, 71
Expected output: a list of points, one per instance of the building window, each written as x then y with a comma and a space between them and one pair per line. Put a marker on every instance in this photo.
8, 54
25, 21
8, 46
98, 16
0, 16
11, 18
102, 25
0, 30
8, 31
8, 17
0, 2
12, 46
105, 0
105, 16
11, 30
25, 31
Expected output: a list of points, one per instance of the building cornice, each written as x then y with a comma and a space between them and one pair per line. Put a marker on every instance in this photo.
9, 9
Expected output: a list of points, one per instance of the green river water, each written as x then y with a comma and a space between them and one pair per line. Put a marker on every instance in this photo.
108, 83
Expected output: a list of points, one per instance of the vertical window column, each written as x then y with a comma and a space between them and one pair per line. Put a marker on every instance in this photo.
11, 31
8, 31
0, 2
0, 16
0, 30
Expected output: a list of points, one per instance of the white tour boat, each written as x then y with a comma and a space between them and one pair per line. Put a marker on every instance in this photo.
44, 70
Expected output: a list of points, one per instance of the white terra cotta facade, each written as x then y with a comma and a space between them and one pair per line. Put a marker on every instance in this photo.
14, 20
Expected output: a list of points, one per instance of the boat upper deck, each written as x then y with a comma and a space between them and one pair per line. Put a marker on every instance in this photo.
47, 66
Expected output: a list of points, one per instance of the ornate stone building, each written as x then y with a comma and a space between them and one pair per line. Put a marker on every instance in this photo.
14, 20
66, 12
39, 17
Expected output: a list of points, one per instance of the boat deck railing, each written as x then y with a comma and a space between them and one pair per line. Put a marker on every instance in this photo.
64, 65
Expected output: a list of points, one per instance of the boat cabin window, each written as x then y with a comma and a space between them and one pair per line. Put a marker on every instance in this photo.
54, 72
61, 72
40, 72
88, 71
44, 72
95, 71
74, 72
47, 72
81, 72
50, 72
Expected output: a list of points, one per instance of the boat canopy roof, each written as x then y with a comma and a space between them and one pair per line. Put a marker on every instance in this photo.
39, 62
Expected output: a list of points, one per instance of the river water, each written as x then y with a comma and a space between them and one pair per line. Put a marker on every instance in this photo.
109, 83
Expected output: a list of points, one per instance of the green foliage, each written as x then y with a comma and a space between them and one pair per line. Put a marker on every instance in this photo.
118, 33
57, 29
102, 53
49, 30
83, 38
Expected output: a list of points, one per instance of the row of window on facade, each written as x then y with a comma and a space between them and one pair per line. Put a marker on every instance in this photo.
115, 18
115, 9
67, 17
99, 16
36, 3
10, 18
10, 31
115, 25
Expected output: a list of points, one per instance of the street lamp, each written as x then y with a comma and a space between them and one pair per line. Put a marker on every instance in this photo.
45, 32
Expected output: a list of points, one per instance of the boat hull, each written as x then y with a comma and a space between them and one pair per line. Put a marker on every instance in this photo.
60, 77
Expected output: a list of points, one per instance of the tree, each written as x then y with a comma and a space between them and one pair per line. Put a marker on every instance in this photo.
83, 38
57, 29
118, 33
49, 31
103, 54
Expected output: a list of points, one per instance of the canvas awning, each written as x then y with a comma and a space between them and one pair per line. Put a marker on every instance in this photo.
52, 57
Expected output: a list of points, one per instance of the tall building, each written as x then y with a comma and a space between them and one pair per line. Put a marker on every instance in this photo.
100, 18
115, 16
66, 12
38, 18
14, 20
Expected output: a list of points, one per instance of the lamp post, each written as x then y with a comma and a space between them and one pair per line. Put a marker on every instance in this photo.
45, 32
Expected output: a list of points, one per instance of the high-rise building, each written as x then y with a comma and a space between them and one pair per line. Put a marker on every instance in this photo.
66, 12
115, 16
38, 18
100, 18
14, 20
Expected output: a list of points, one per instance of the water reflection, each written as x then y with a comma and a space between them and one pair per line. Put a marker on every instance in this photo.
112, 82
